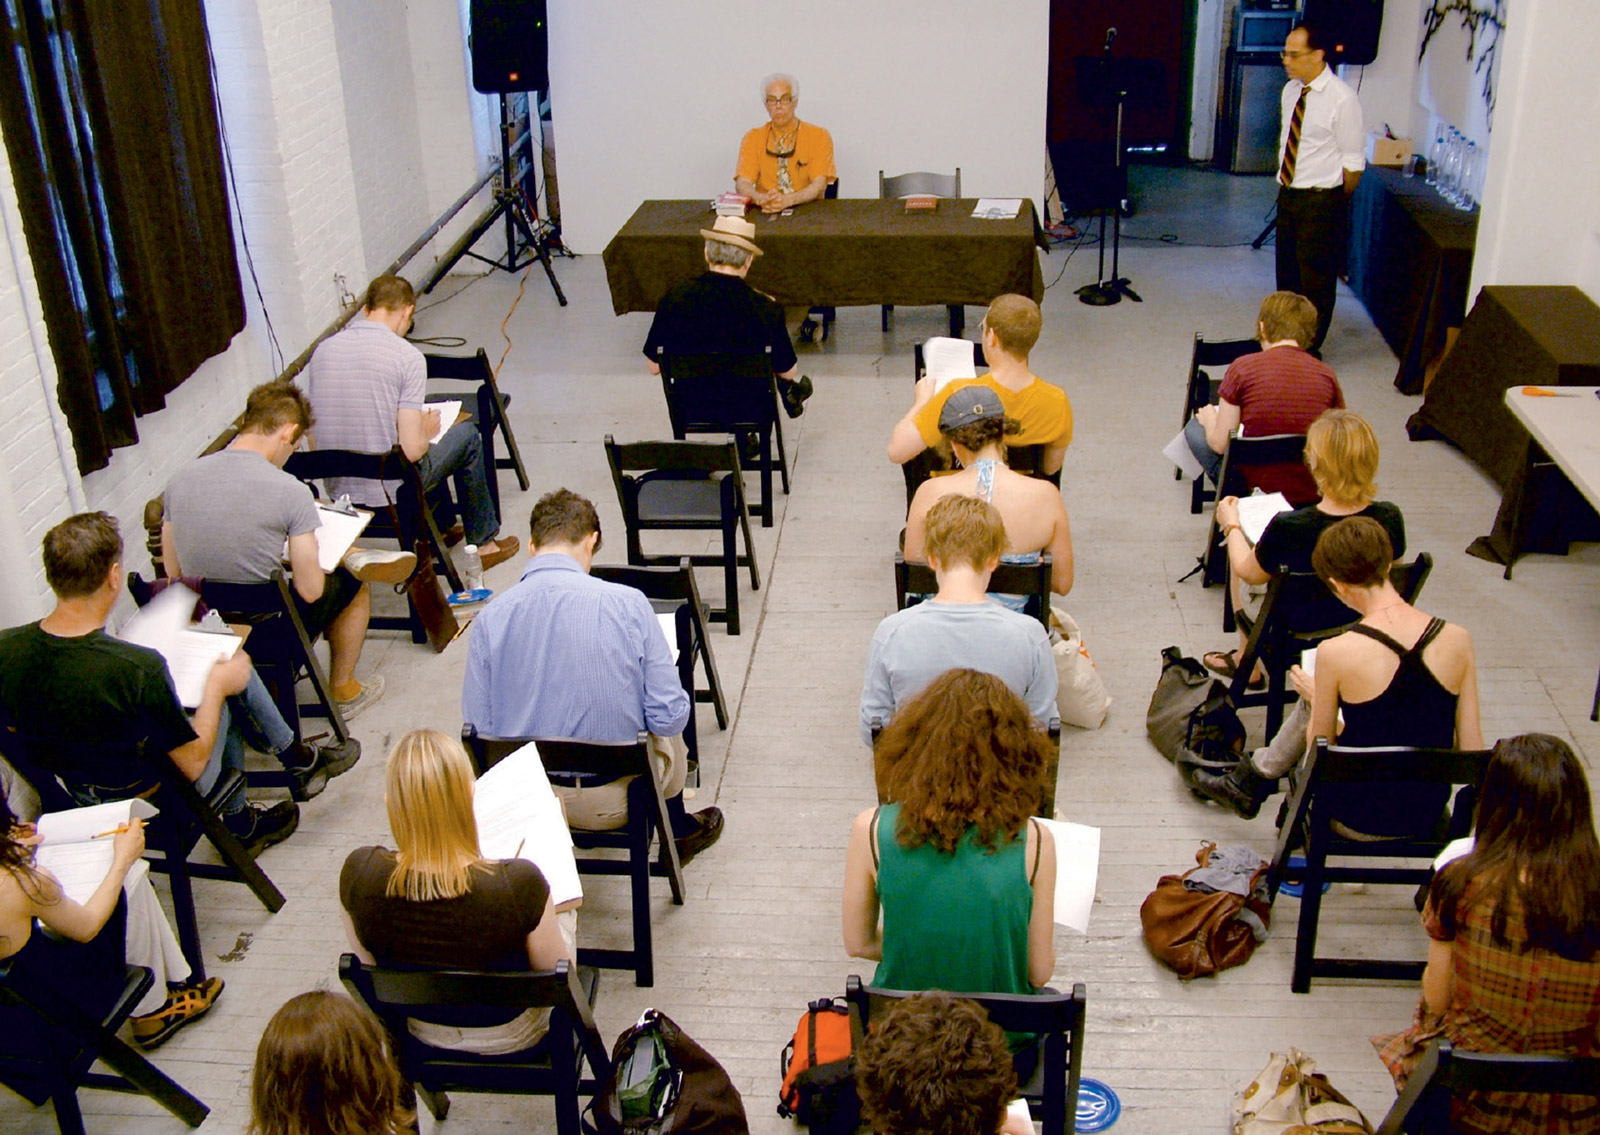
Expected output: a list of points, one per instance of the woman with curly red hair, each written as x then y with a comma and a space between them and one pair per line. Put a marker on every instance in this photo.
964, 881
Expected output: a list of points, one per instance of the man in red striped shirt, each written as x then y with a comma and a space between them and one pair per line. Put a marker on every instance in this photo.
1279, 390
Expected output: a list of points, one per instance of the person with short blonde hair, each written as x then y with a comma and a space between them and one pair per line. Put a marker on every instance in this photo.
436, 903
1279, 389
1041, 410
961, 625
324, 1067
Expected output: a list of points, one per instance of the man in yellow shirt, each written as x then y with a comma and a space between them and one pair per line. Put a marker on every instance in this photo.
1010, 329
786, 162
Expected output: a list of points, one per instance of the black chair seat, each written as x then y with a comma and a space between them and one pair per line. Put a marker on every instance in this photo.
675, 503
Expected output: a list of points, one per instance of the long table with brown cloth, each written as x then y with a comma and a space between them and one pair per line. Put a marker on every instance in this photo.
1516, 336
1410, 261
842, 253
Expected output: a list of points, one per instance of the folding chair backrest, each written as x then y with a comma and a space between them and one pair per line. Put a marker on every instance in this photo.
321, 464
717, 393
565, 760
1253, 452
645, 457
920, 182
1057, 1018
1032, 580
1201, 386
1424, 1106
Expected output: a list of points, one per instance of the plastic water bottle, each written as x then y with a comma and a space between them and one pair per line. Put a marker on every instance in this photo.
471, 567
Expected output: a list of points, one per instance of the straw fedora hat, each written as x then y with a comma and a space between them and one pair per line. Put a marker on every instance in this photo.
735, 231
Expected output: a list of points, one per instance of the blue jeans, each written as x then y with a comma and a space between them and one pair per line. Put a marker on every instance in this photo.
1210, 460
459, 454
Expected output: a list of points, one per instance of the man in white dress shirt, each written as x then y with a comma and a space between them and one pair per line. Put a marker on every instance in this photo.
1321, 151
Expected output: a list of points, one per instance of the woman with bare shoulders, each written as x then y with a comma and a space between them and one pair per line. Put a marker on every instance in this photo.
974, 423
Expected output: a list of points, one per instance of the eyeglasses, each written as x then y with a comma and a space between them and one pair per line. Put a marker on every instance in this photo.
779, 100
1294, 54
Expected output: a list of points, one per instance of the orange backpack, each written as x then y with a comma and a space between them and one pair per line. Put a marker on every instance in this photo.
819, 1070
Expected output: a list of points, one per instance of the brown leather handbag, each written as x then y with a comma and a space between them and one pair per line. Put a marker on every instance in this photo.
1199, 932
425, 594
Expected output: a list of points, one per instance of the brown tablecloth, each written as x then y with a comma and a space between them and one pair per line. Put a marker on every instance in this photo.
1410, 262
842, 253
1515, 336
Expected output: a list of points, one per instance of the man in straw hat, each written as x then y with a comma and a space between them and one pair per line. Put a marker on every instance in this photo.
719, 313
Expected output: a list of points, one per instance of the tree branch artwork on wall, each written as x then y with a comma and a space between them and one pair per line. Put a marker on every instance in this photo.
1484, 22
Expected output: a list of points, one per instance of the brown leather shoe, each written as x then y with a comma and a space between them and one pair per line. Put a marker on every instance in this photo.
453, 535
497, 553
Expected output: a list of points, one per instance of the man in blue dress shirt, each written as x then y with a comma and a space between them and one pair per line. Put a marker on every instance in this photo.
563, 654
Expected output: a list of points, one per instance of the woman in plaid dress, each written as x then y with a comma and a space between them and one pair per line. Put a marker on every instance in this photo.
1514, 956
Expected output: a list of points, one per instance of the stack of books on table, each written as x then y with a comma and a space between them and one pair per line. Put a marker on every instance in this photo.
731, 205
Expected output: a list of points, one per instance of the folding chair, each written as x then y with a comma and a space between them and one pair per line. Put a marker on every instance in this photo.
411, 523
1281, 630
947, 185
1032, 580
1446, 1072
729, 394
673, 591
1243, 454
491, 416
686, 486
1201, 390
1380, 771
580, 764
553, 1067
1057, 1018
46, 1076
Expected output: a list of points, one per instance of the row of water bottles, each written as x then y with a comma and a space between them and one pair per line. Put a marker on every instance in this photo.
1455, 167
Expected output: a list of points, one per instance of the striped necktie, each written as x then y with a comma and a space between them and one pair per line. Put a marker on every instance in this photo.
1291, 145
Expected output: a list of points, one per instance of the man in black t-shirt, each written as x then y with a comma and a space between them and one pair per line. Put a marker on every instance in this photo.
95, 710
718, 313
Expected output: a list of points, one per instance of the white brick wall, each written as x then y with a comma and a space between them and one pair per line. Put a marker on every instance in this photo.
326, 104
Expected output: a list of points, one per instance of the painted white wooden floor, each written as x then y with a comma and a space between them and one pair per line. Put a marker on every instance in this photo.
759, 935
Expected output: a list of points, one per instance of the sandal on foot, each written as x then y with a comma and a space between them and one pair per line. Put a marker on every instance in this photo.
184, 1004
1226, 663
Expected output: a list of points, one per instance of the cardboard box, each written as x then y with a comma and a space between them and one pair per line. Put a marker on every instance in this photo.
1391, 152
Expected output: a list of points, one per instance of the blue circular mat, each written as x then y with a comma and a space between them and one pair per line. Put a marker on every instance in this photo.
1294, 890
1098, 1105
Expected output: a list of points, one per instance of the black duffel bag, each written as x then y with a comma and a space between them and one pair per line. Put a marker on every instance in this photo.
1191, 718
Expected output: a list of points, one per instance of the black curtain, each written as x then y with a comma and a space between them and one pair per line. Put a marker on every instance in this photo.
110, 124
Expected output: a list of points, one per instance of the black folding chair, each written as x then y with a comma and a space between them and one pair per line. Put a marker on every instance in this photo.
730, 394
410, 523
1201, 390
1032, 580
474, 370
43, 1074
1243, 454
582, 764
1378, 771
1056, 1018
686, 486
1447, 1072
553, 1067
946, 185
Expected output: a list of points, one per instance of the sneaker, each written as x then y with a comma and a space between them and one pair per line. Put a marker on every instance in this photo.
258, 827
185, 1003
371, 691
708, 829
498, 552
794, 395
312, 768
374, 565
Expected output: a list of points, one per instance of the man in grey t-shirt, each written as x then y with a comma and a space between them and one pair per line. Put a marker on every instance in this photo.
960, 627
229, 515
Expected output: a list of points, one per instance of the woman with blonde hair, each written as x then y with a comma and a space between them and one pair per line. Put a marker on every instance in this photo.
323, 1067
436, 903
964, 880
1342, 455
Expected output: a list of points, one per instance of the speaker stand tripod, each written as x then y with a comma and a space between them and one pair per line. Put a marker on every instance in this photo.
525, 232
1108, 82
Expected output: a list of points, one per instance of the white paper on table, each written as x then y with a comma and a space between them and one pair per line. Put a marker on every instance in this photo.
335, 534
163, 626
1077, 872
1257, 510
1455, 849
519, 817
76, 848
945, 359
1178, 452
997, 208
668, 622
448, 413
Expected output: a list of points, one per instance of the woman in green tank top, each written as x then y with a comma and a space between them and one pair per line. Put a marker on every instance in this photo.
964, 881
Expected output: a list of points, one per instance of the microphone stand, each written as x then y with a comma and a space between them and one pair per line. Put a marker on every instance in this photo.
1104, 292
